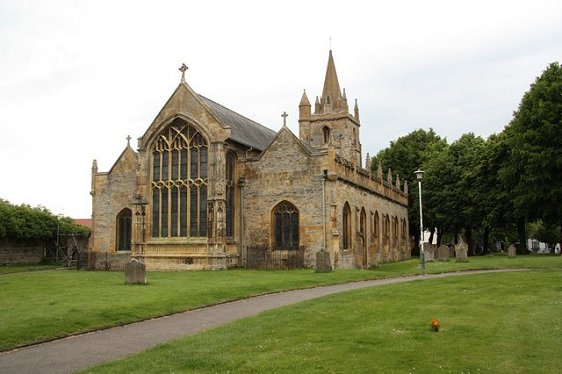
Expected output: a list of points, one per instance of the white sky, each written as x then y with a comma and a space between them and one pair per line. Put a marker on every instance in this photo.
77, 77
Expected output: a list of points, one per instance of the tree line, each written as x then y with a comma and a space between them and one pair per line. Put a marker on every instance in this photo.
26, 222
500, 188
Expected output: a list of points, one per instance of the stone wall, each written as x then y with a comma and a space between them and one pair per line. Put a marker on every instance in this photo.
108, 260
21, 251
370, 246
111, 193
286, 172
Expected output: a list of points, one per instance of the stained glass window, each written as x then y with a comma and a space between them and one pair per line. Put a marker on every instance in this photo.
285, 226
179, 182
124, 219
346, 227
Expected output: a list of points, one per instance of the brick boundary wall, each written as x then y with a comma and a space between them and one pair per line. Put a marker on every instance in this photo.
21, 251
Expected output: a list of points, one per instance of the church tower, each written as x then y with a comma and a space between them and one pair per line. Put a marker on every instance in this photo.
331, 122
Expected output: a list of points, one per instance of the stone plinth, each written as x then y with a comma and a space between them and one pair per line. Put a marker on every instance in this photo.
323, 264
135, 272
443, 253
461, 252
511, 251
429, 252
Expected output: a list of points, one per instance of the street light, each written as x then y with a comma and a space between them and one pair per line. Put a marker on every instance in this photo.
419, 177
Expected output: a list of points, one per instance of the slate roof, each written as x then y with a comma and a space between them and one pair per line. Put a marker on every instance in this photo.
243, 130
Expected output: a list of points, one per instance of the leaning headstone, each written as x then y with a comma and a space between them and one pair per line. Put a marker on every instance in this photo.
511, 251
429, 252
323, 264
443, 252
461, 252
135, 272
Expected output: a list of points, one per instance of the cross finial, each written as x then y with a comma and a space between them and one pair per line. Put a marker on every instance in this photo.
284, 115
183, 68
128, 140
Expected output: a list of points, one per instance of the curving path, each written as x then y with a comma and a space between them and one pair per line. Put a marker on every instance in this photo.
81, 351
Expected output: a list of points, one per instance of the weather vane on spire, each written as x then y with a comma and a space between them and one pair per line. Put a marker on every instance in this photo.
183, 68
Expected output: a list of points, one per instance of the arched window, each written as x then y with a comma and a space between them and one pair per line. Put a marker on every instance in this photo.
285, 226
124, 223
326, 133
346, 226
179, 182
376, 228
362, 223
230, 178
387, 229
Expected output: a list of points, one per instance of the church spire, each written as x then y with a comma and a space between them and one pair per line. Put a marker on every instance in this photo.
331, 94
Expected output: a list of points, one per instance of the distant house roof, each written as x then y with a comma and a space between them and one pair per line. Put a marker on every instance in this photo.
83, 222
243, 130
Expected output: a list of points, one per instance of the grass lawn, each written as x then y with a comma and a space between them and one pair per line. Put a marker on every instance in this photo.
25, 268
490, 323
38, 306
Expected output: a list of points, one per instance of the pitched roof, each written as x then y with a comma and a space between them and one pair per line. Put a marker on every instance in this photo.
243, 130
83, 222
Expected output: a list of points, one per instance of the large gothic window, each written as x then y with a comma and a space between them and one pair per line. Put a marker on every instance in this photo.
124, 220
346, 227
285, 226
230, 178
179, 182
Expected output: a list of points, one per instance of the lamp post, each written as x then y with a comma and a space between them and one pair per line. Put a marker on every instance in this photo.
419, 177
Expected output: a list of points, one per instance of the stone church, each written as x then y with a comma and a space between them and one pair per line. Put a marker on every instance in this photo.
206, 184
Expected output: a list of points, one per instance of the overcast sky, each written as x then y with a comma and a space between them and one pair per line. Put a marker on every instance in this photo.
77, 77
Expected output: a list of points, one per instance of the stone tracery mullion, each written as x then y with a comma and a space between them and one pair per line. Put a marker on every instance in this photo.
177, 161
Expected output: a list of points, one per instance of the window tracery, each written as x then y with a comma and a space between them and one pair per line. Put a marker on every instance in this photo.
285, 226
179, 182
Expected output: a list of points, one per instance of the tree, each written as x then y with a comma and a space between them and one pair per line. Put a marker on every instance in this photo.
403, 157
25, 222
451, 187
534, 137
542, 232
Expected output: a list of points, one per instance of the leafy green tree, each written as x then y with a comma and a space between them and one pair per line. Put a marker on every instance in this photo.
451, 187
25, 222
545, 233
534, 137
404, 156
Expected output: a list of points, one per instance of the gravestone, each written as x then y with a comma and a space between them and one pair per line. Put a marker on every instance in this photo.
429, 252
323, 263
443, 252
135, 272
511, 251
461, 252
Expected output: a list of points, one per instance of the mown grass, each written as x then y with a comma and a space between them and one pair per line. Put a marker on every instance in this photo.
5, 269
38, 306
490, 323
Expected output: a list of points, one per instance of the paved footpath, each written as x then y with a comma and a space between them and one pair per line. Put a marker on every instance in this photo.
82, 351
